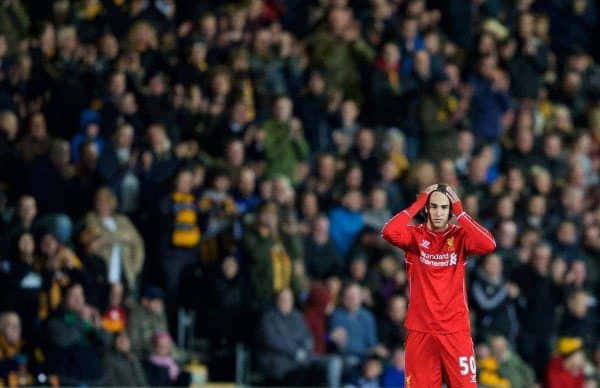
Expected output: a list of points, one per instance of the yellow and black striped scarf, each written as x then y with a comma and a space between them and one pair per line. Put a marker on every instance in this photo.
282, 267
51, 298
8, 351
186, 233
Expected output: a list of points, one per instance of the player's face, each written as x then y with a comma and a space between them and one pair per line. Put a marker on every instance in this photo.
438, 210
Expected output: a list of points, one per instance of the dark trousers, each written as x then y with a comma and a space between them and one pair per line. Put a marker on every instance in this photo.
535, 349
174, 263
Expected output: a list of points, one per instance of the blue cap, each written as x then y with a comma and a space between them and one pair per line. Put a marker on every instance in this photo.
153, 292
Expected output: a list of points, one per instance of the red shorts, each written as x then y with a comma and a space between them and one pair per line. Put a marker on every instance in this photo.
431, 358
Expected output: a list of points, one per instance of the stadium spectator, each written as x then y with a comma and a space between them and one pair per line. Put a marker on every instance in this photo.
566, 368
145, 319
352, 330
121, 246
161, 367
122, 367
494, 300
20, 361
76, 340
290, 357
322, 259
510, 365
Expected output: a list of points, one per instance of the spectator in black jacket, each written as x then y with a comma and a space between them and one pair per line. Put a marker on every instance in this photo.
162, 370
286, 353
578, 320
530, 61
24, 220
20, 359
224, 310
122, 368
76, 340
541, 294
391, 329
322, 260
21, 285
494, 300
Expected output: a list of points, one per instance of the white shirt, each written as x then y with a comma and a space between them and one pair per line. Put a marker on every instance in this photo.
114, 265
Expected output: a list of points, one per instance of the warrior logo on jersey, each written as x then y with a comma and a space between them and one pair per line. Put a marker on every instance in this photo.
450, 243
425, 244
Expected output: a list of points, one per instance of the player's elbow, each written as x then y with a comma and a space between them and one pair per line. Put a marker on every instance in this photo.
392, 235
386, 233
489, 245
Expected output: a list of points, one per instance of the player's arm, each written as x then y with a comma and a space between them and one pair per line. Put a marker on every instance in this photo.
397, 230
478, 240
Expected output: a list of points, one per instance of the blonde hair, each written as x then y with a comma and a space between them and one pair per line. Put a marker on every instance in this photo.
552, 122
394, 137
142, 36
5, 316
8, 118
64, 33
107, 194
124, 127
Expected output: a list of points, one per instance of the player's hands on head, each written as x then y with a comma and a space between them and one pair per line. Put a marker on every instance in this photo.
422, 197
454, 200
452, 194
430, 189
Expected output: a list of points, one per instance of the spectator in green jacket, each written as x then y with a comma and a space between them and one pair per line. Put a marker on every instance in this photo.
271, 254
145, 319
283, 141
511, 366
340, 50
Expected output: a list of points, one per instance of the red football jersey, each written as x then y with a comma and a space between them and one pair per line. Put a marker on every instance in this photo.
435, 270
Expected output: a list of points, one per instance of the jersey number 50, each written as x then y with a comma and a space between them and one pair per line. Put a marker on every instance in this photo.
465, 364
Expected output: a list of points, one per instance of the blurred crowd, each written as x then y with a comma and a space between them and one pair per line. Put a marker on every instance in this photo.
236, 160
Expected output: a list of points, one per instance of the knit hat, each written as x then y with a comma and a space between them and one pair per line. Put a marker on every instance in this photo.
568, 345
153, 292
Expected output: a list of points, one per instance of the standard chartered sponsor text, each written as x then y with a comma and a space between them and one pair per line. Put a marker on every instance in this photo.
437, 256
437, 260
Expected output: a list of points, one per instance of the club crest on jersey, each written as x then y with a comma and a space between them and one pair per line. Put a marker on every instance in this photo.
407, 382
450, 243
425, 244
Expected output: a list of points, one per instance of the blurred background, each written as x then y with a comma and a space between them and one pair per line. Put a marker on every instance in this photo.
193, 191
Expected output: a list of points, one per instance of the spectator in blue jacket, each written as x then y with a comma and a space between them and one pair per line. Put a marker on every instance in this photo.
353, 331
490, 99
346, 221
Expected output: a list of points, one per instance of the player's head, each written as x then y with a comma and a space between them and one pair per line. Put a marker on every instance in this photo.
437, 208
